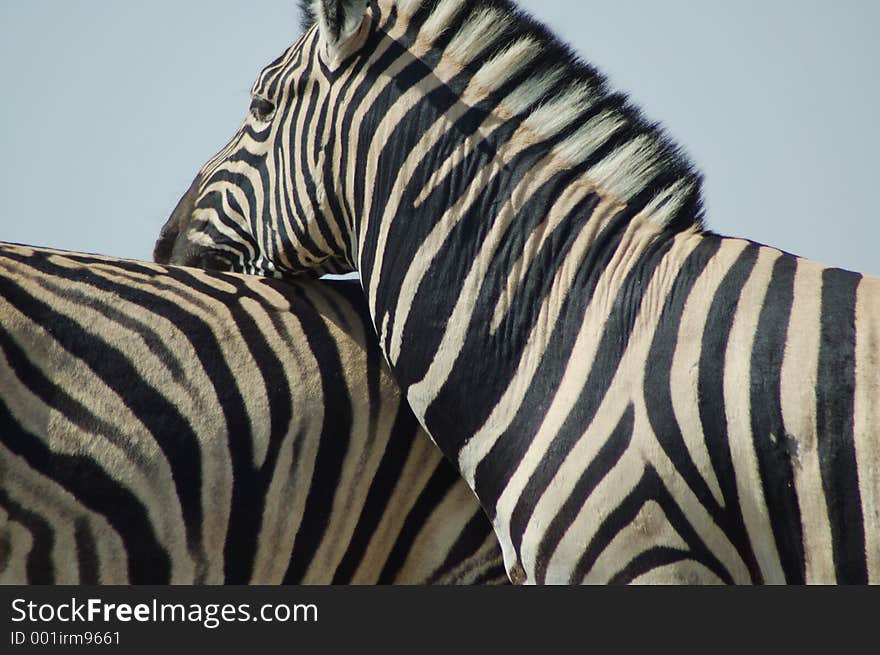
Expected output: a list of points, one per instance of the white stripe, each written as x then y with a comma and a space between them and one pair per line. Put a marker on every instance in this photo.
866, 428
798, 379
738, 409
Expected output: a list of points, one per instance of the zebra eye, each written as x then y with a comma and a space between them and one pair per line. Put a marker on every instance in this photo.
262, 109
213, 260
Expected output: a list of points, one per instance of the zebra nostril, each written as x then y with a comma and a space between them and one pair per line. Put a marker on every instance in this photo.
164, 247
177, 224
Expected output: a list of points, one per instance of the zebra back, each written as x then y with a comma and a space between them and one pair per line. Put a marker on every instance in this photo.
160, 424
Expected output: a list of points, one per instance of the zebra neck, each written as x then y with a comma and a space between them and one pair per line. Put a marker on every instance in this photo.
482, 203
458, 148
468, 287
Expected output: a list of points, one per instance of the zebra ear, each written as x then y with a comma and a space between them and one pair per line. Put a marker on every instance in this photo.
338, 21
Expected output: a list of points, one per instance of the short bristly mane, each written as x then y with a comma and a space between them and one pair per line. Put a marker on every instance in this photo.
561, 98
306, 15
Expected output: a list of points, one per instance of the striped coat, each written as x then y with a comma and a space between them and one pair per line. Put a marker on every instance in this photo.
164, 425
632, 397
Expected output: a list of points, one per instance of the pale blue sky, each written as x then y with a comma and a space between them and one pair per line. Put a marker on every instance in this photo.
109, 108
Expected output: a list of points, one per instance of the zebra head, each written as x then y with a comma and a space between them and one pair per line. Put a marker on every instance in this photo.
265, 204
395, 127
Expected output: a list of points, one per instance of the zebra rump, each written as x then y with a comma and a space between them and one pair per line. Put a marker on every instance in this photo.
166, 425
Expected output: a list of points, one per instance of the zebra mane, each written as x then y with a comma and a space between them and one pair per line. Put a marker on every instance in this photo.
307, 16
563, 99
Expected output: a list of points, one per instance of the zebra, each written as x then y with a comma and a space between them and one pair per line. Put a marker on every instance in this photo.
632, 397
164, 425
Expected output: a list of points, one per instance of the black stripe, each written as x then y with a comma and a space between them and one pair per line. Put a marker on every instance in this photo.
148, 562
352, 291
214, 200
710, 389
335, 440
154, 343
251, 483
423, 12
657, 383
308, 106
495, 575
616, 333
273, 76
773, 445
538, 282
495, 470
163, 420
835, 401
172, 431
653, 558
408, 233
247, 182
486, 381
441, 481
411, 226
86, 552
303, 110
343, 115
403, 139
406, 134
595, 471
650, 487
39, 258
470, 540
38, 568
400, 443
